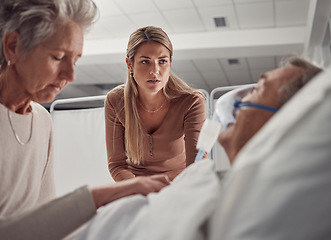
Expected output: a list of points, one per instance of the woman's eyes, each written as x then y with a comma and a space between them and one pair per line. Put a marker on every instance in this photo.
163, 61
57, 58
160, 62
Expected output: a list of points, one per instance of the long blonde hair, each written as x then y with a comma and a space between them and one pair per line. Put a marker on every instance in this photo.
174, 88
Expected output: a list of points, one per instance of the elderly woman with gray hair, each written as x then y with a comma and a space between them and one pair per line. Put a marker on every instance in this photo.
41, 40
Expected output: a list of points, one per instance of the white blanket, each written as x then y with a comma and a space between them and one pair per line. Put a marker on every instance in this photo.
179, 211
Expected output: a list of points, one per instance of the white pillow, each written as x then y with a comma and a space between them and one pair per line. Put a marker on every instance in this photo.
224, 106
280, 185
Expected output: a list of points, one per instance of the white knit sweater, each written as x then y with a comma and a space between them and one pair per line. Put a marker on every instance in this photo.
27, 182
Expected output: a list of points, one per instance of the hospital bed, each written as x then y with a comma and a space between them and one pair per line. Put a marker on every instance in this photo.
279, 187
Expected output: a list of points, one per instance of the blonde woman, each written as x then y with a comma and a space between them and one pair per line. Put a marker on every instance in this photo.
154, 119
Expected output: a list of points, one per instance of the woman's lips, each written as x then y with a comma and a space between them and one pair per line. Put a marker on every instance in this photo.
153, 81
56, 88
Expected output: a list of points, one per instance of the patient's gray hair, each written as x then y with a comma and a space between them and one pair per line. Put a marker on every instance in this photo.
36, 20
292, 87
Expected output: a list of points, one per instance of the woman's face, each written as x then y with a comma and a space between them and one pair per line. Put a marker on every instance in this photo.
151, 67
50, 66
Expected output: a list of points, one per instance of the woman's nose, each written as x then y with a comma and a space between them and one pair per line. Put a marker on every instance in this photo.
155, 69
68, 72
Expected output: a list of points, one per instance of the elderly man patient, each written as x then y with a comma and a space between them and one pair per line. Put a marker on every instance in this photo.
272, 91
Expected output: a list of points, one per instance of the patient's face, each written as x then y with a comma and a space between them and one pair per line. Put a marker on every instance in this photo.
250, 120
267, 86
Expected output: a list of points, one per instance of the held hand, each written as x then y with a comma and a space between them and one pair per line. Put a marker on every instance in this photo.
137, 185
146, 185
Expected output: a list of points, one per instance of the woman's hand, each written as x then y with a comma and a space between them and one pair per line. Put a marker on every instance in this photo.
137, 185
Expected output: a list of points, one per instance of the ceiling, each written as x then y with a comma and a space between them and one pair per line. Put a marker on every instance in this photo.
258, 33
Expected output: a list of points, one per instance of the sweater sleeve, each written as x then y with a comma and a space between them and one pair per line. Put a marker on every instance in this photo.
47, 189
193, 122
116, 155
53, 220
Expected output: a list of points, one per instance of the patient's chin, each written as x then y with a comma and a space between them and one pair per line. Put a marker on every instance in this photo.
229, 125
225, 136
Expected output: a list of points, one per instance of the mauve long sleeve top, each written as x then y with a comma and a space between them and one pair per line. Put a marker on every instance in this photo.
168, 150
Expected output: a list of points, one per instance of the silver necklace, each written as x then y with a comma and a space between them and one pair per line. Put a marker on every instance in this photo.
16, 136
153, 111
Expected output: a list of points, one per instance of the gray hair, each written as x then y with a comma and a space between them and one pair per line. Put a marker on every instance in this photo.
293, 86
36, 20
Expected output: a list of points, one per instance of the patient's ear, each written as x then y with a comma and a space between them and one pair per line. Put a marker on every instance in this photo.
10, 46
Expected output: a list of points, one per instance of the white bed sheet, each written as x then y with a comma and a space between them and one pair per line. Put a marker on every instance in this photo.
178, 212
